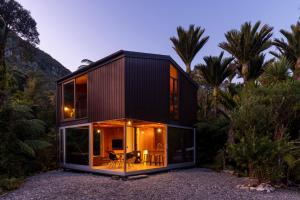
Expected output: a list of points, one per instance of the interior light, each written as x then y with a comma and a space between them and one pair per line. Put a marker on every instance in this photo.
129, 123
98, 131
159, 130
145, 152
142, 132
66, 108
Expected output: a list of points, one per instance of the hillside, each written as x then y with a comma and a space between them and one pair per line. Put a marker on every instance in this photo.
22, 57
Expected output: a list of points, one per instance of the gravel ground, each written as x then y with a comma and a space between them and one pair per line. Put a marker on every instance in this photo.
182, 184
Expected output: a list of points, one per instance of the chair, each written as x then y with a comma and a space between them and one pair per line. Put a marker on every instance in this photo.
159, 159
113, 160
130, 159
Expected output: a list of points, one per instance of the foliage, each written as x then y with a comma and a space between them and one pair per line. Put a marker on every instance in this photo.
22, 136
16, 19
247, 43
85, 62
19, 20
276, 71
215, 70
9, 183
188, 44
262, 143
211, 138
289, 48
257, 66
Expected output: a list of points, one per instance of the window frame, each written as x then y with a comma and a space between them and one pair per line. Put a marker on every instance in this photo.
63, 99
175, 114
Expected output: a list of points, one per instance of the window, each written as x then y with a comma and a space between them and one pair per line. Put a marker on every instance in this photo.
174, 93
68, 100
81, 97
77, 145
180, 145
75, 98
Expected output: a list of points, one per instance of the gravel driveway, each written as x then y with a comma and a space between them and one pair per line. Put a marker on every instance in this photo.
182, 184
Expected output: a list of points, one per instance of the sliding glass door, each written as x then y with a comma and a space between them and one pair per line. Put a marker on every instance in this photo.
77, 145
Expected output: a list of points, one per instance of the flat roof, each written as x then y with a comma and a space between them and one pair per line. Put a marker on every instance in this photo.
125, 53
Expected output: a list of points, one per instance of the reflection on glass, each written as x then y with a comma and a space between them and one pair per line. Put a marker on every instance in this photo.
77, 145
180, 145
68, 108
81, 96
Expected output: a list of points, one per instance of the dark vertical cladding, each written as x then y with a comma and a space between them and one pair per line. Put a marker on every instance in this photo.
188, 101
106, 98
146, 81
132, 85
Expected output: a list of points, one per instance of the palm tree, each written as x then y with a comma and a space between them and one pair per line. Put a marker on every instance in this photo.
257, 65
277, 71
247, 43
215, 70
85, 62
290, 48
188, 44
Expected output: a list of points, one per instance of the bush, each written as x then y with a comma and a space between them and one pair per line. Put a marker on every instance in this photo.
211, 139
263, 127
7, 184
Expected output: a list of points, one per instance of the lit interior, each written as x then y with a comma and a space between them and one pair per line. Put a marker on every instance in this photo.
145, 142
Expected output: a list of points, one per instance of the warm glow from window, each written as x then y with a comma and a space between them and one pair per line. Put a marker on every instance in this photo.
75, 98
129, 123
174, 93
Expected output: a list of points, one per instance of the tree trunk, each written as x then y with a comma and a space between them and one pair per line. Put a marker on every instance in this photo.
188, 68
215, 95
297, 70
245, 70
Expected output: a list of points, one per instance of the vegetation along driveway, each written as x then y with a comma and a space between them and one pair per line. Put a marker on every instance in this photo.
183, 184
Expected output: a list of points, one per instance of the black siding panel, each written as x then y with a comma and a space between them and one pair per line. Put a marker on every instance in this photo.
187, 102
106, 92
147, 89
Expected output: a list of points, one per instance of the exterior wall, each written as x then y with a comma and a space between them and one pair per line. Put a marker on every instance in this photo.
187, 102
106, 92
147, 92
134, 86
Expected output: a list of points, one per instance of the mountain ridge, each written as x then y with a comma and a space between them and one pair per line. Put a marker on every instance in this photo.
23, 57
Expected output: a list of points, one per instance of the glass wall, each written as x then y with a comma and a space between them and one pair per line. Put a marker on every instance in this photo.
143, 148
68, 100
77, 145
180, 145
81, 97
108, 145
75, 98
174, 93
146, 146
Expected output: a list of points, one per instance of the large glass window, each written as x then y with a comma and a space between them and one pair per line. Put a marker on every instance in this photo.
75, 98
180, 145
81, 97
174, 93
68, 100
144, 147
77, 145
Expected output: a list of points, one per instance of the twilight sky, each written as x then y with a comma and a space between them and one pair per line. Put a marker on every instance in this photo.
71, 30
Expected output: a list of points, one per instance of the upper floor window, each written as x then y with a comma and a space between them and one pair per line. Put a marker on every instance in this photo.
75, 98
174, 93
